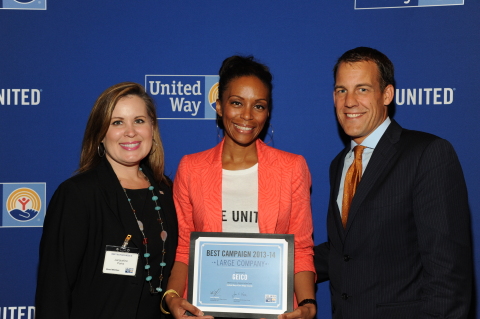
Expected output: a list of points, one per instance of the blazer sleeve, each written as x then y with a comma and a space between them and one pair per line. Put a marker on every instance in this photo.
62, 247
184, 208
321, 252
442, 218
301, 224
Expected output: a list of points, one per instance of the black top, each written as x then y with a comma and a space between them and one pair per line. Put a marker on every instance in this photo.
86, 213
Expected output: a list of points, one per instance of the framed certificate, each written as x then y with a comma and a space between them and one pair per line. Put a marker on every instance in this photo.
241, 275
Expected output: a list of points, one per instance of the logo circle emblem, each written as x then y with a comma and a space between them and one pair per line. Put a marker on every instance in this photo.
23, 204
24, 1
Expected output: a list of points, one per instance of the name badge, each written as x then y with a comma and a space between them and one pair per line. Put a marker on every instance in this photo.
120, 261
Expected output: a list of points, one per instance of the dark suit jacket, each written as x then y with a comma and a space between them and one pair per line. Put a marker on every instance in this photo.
406, 249
86, 213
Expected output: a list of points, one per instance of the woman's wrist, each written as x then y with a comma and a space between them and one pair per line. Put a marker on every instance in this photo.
168, 295
308, 302
311, 307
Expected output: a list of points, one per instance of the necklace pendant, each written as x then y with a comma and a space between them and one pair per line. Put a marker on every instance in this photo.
163, 235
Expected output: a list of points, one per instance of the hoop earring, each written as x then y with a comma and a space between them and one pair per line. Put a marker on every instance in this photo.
98, 150
271, 131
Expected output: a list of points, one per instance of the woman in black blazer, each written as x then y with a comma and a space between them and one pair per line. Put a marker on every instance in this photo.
110, 231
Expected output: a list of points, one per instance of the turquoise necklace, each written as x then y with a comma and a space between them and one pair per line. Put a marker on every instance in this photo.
163, 236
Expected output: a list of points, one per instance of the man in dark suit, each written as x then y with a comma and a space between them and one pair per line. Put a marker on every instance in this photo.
404, 247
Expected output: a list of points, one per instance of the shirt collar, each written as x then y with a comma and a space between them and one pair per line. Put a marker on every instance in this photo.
372, 140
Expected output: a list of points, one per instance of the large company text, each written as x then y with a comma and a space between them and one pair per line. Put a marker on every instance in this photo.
424, 96
19, 96
179, 104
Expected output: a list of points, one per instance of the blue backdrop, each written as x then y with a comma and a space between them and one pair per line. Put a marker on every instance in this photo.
58, 56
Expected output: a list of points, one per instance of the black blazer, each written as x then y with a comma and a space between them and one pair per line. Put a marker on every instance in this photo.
86, 213
406, 249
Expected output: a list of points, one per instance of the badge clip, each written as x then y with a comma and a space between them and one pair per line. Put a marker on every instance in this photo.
125, 242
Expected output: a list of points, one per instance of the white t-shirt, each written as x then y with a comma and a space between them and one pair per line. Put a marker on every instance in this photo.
240, 200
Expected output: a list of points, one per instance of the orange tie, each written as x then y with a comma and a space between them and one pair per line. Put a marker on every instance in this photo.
352, 178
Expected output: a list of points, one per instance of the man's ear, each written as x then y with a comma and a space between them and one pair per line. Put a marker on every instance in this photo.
388, 94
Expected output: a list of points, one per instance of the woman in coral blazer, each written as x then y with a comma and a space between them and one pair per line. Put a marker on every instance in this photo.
244, 174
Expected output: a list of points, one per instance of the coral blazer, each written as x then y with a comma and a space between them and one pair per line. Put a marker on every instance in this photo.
283, 198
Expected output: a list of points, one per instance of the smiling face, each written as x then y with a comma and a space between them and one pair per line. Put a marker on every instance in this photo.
130, 134
360, 104
244, 109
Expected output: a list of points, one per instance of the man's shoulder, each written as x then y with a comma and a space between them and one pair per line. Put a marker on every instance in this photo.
413, 145
405, 138
418, 136
411, 140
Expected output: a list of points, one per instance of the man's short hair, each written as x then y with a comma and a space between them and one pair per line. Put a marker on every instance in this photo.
384, 65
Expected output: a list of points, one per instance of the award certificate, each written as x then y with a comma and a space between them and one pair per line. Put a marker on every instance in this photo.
241, 275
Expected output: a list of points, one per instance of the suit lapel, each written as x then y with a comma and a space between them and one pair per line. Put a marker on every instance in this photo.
381, 158
337, 169
269, 188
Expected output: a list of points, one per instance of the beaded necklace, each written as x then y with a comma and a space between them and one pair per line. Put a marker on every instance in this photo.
163, 236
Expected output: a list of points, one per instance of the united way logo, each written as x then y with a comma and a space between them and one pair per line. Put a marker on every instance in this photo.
24, 4
182, 97
390, 4
23, 204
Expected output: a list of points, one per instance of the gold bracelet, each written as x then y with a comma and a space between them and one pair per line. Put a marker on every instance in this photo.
161, 302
